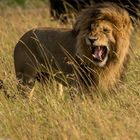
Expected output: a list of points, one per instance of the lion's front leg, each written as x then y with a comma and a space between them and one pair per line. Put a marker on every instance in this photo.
25, 84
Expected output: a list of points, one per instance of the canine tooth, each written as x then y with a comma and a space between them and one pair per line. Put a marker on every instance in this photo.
93, 55
101, 59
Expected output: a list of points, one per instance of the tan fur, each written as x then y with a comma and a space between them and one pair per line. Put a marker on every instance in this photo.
39, 54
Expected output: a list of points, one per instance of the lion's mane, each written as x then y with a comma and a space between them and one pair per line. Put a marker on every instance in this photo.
110, 74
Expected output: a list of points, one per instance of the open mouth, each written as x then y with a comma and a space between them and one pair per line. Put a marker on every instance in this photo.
99, 53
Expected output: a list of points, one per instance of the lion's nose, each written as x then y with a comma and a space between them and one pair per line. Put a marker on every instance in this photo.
92, 39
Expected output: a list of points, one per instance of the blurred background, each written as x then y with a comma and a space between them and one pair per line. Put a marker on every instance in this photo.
22, 2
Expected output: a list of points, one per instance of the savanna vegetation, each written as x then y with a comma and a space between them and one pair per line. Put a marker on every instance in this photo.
50, 114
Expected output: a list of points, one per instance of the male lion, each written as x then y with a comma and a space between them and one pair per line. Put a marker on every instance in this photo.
94, 51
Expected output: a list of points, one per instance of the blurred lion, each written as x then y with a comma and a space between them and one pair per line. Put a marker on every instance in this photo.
93, 52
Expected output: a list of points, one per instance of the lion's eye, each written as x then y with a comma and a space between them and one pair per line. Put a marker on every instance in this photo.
106, 30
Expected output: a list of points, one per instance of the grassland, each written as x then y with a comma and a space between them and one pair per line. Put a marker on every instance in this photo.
53, 116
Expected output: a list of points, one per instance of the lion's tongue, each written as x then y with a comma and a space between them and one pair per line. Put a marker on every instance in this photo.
98, 53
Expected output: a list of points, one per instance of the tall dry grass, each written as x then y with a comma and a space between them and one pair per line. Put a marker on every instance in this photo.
51, 116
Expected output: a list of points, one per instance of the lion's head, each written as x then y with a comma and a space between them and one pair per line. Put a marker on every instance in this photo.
103, 31
103, 40
100, 41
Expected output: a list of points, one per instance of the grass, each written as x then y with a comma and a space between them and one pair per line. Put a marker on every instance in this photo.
51, 116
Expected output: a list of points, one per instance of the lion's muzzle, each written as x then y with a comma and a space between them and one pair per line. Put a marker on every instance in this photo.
99, 54
99, 51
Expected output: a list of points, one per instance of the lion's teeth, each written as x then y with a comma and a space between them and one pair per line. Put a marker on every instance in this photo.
96, 57
101, 59
93, 55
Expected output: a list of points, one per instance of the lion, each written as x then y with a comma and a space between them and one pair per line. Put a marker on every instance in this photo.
92, 53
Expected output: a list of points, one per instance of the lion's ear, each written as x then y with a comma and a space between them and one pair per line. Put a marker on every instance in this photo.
128, 25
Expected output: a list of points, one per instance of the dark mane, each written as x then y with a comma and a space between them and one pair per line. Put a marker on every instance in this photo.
105, 11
